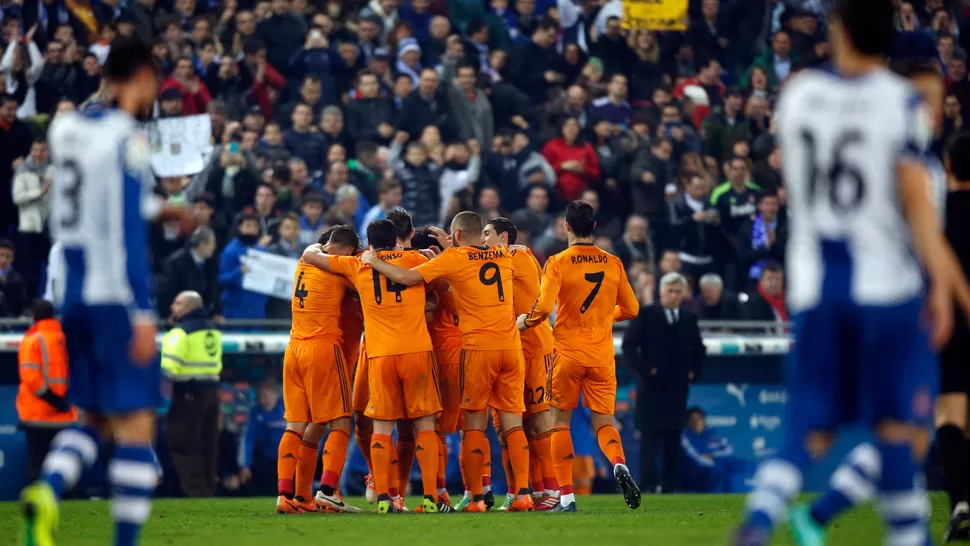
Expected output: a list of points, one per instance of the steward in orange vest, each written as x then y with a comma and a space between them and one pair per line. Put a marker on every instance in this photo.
42, 399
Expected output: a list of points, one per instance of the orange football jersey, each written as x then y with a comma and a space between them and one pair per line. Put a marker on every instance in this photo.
444, 323
526, 277
482, 281
393, 313
318, 297
593, 291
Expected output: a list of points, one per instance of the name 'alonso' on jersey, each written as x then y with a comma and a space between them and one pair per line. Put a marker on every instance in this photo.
841, 140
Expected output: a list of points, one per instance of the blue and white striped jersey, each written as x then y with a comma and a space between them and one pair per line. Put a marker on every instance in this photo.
101, 200
841, 141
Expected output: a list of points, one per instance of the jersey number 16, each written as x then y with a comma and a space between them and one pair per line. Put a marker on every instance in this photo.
846, 185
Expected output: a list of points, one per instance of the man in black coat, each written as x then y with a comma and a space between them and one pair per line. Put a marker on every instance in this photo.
427, 105
15, 142
665, 348
192, 269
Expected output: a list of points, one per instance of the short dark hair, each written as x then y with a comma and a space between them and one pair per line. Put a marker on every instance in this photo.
8, 97
869, 26
911, 67
365, 147
402, 224
7, 244
282, 172
365, 72
387, 185
344, 236
767, 194
265, 185
772, 267
205, 197
581, 218
312, 197
382, 235
466, 64
475, 26
468, 221
127, 57
546, 23
42, 310
958, 155
503, 225
291, 216
422, 238
247, 216
253, 46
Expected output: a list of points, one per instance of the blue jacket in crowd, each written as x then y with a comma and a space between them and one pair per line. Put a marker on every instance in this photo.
264, 430
236, 302
708, 464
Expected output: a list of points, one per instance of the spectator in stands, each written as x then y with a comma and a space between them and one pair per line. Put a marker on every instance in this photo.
389, 198
664, 347
13, 286
575, 162
777, 62
649, 174
367, 170
607, 225
727, 125
736, 198
613, 107
23, 64
767, 302
230, 177
312, 223
332, 126
15, 143
261, 440
170, 103
288, 242
762, 238
634, 244
283, 33
427, 105
237, 302
714, 302
267, 211
462, 167
696, 228
471, 105
419, 179
31, 186
203, 208
310, 94
194, 268
370, 116
347, 208
195, 94
536, 211
303, 141
554, 240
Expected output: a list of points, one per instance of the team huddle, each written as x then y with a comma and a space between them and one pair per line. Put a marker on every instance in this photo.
454, 328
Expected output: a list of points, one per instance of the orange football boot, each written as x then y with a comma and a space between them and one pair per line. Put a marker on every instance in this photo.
476, 506
524, 504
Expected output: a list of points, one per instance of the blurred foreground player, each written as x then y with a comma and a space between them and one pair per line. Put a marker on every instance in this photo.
100, 201
860, 207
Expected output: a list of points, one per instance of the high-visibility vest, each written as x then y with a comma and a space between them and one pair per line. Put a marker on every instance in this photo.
192, 356
43, 367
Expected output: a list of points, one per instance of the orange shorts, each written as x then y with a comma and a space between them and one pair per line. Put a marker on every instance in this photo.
538, 375
351, 351
448, 380
361, 387
315, 384
598, 386
404, 386
492, 378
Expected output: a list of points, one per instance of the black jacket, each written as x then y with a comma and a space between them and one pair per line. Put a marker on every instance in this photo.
283, 36
674, 351
14, 143
728, 308
529, 65
757, 308
179, 273
700, 239
13, 290
748, 255
417, 113
364, 116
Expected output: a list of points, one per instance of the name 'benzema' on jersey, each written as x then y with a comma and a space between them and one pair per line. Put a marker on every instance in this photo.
841, 141
101, 198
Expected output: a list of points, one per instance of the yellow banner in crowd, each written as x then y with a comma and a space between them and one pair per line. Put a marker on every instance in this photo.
655, 14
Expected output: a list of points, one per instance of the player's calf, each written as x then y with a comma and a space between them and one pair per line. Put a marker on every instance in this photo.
853, 483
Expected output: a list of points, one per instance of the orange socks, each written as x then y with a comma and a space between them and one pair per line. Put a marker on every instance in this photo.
519, 458
289, 453
392, 472
487, 469
474, 449
427, 453
544, 443
381, 447
442, 463
334, 455
562, 457
363, 442
306, 466
535, 468
405, 460
507, 467
609, 440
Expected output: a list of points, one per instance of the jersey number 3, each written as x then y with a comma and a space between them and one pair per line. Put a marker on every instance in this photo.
73, 182
846, 185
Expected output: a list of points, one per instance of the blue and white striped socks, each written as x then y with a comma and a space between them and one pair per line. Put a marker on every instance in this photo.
777, 482
853, 483
133, 477
903, 501
72, 451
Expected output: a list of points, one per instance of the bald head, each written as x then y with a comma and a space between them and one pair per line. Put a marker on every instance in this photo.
185, 303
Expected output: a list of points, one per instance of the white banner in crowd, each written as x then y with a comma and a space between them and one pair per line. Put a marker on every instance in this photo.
269, 274
180, 146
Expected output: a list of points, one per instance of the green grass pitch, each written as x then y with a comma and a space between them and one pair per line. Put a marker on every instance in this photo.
695, 520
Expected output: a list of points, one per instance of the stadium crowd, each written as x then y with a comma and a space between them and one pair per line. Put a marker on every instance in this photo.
337, 112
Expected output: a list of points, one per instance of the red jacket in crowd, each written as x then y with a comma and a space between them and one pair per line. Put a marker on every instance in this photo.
570, 183
192, 103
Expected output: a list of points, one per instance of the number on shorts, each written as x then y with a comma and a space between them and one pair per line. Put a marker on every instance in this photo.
597, 279
537, 395
299, 289
489, 274
389, 286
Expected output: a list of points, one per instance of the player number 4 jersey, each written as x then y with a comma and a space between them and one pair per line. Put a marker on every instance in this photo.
841, 141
